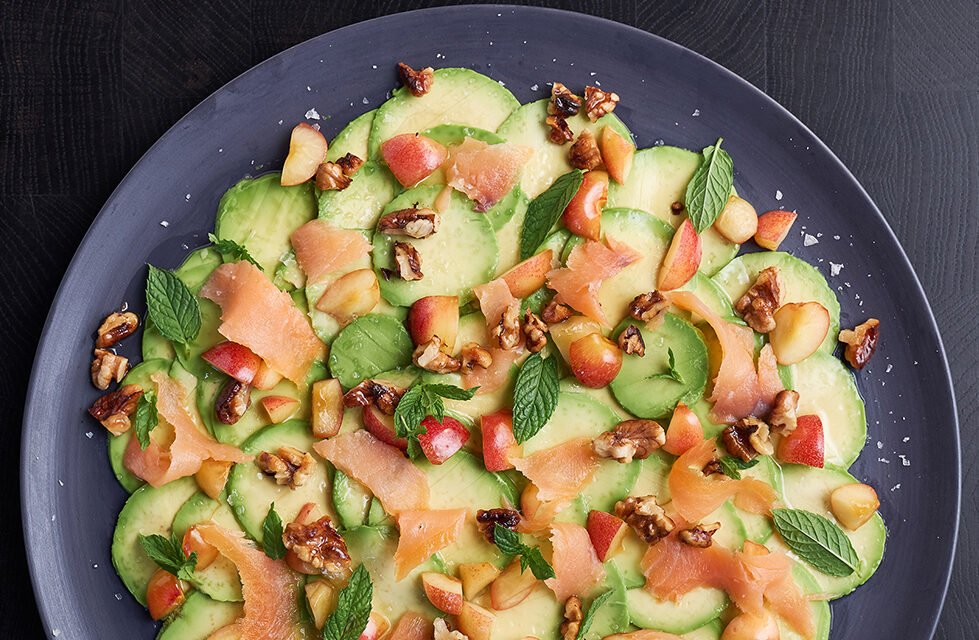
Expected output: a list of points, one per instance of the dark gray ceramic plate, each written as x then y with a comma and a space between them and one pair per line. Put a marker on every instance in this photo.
167, 203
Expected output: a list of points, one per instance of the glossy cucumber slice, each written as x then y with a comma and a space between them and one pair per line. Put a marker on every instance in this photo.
602, 395
218, 580
154, 345
360, 204
508, 235
691, 611
353, 138
351, 500
369, 345
199, 617
612, 616
539, 616
140, 374
254, 417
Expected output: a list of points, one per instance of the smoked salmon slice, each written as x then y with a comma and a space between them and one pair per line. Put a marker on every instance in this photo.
496, 375
412, 626
494, 298
423, 533
537, 515
590, 264
322, 248
561, 471
485, 172
268, 586
383, 469
576, 566
190, 446
256, 314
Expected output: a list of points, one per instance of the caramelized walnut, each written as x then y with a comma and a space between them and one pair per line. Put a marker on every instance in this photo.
861, 343
442, 632
676, 208
759, 304
232, 402
631, 342
114, 409
330, 176
572, 618
487, 519
649, 308
747, 438
507, 332
535, 331
712, 467
415, 223
418, 82
699, 536
555, 312
289, 466
784, 410
106, 367
115, 327
558, 130
563, 103
384, 396
431, 356
320, 546
599, 103
474, 355
629, 440
584, 153
646, 517
350, 164
408, 262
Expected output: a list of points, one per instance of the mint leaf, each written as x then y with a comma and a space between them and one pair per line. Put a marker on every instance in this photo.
672, 372
544, 211
817, 541
272, 535
145, 419
538, 565
419, 402
507, 540
350, 617
586, 622
451, 392
169, 555
509, 544
710, 187
534, 396
172, 307
732, 466
233, 249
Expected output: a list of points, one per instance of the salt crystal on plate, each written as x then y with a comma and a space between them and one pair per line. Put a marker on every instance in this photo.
164, 224
312, 115
809, 240
778, 194
834, 269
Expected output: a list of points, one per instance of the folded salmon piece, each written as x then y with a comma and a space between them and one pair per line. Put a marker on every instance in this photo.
322, 248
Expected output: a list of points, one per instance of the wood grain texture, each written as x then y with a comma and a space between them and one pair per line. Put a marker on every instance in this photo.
86, 86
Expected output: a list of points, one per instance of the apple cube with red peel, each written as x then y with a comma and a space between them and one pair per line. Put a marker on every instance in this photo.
279, 408
193, 542
617, 154
572, 329
212, 476
381, 426
583, 215
351, 295
512, 586
854, 504
682, 259
442, 440
530, 275
595, 360
164, 593
412, 157
498, 440
685, 431
475, 622
307, 151
606, 532
377, 626
233, 359
476, 576
444, 592
800, 327
321, 597
434, 316
773, 226
327, 408
737, 221
266, 378
805, 445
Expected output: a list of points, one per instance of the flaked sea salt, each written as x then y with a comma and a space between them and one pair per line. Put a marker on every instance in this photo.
834, 269
778, 194
164, 224
696, 113
312, 114
89, 434
808, 240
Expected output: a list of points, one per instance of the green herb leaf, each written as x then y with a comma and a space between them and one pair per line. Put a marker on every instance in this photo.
169, 555
534, 396
419, 402
732, 466
172, 307
145, 419
817, 541
272, 535
507, 540
545, 210
586, 622
509, 543
672, 373
353, 610
233, 249
710, 187
450, 392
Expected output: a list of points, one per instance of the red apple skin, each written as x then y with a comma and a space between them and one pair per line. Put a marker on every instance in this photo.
773, 226
377, 626
434, 316
475, 622
193, 542
683, 258
412, 157
806, 444
382, 427
442, 440
595, 360
233, 359
498, 440
279, 408
606, 532
617, 154
512, 587
266, 378
685, 431
583, 215
164, 593
307, 150
444, 592
530, 275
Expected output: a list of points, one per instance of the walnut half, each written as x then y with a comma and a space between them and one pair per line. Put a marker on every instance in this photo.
431, 356
700, 536
115, 327
563, 102
759, 304
535, 331
631, 342
106, 367
383, 395
555, 312
572, 618
415, 223
330, 176
646, 517
507, 331
474, 355
784, 411
417, 82
649, 308
320, 546
407, 261
114, 409
584, 153
861, 342
747, 438
630, 440
289, 466
599, 103
487, 519
558, 130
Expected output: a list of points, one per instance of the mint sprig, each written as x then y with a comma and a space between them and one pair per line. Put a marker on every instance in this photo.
169, 555
710, 187
353, 610
172, 307
534, 396
589, 618
544, 211
231, 248
272, 535
732, 466
419, 402
672, 372
817, 541
145, 419
509, 543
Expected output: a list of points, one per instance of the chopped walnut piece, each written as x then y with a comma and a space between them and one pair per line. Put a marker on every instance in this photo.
747, 438
418, 82
384, 396
106, 367
784, 409
442, 632
115, 327
535, 330
114, 408
330, 176
599, 103
431, 356
861, 343
649, 308
629, 440
558, 130
320, 546
563, 102
676, 208
555, 312
507, 332
759, 304
350, 164
699, 536
646, 517
232, 401
584, 153
408, 261
631, 342
289, 466
487, 519
712, 467
474, 355
572, 618
415, 223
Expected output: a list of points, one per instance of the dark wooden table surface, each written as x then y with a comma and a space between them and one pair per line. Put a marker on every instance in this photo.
86, 86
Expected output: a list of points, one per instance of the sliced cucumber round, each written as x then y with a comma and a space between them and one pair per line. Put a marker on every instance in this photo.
369, 345
710, 631
453, 134
602, 395
710, 294
691, 611
254, 417
644, 385
154, 345
612, 616
360, 204
140, 374
351, 500
508, 234
218, 580
353, 138
538, 616
199, 617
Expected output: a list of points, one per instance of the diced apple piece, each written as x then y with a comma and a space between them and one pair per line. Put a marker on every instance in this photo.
327, 408
351, 296
476, 576
434, 316
279, 408
212, 476
800, 327
412, 626
583, 215
773, 226
266, 378
193, 542
738, 220
606, 532
595, 360
512, 586
164, 593
685, 431
377, 626
381, 426
307, 151
442, 440
321, 597
751, 627
575, 327
854, 504
806, 444
444, 592
530, 275
498, 440
476, 622
682, 260
412, 157
233, 359
617, 154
